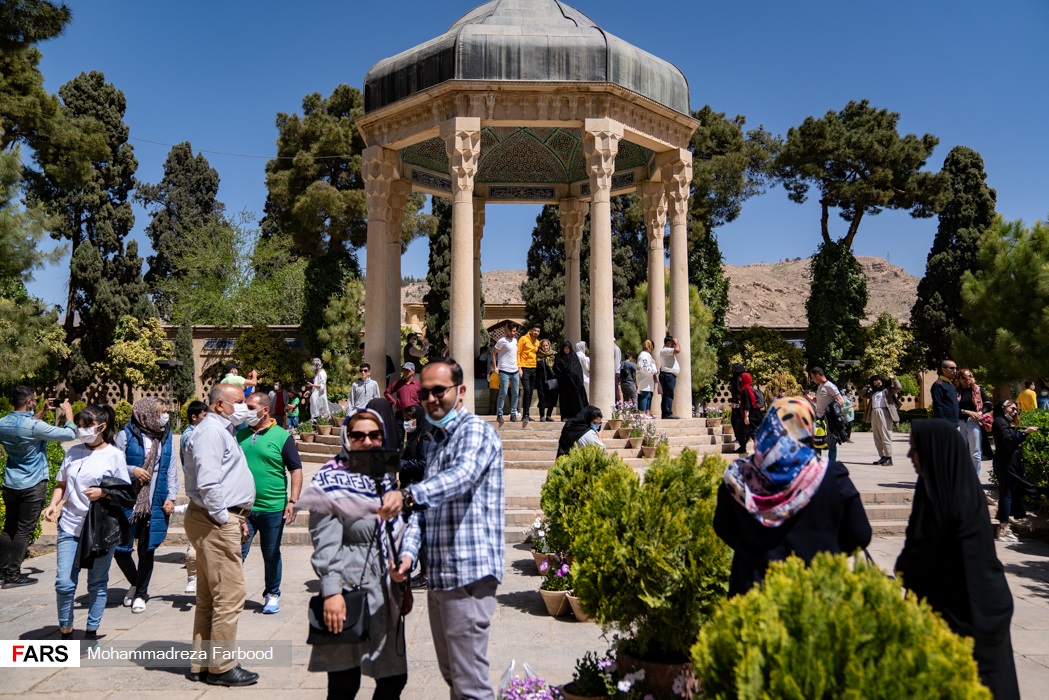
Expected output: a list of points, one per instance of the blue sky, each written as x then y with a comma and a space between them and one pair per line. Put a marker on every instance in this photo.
968, 71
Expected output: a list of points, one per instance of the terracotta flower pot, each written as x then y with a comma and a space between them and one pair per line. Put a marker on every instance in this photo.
713, 422
577, 610
307, 437
569, 695
659, 677
648, 452
324, 430
634, 442
556, 602
622, 433
540, 557
613, 424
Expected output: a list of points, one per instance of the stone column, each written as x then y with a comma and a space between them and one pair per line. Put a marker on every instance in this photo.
654, 202
478, 234
573, 218
379, 168
462, 138
600, 145
399, 191
677, 176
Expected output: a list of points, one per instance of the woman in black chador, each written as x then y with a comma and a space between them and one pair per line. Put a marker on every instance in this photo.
570, 388
949, 557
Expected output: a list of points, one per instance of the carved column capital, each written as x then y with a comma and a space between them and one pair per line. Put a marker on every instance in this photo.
654, 204
379, 168
462, 138
573, 218
676, 171
398, 198
600, 146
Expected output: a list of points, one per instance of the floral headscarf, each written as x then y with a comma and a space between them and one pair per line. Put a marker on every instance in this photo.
784, 472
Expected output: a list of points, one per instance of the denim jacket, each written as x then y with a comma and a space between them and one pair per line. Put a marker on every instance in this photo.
25, 439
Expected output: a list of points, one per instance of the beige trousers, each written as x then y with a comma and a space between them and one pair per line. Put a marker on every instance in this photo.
220, 580
881, 426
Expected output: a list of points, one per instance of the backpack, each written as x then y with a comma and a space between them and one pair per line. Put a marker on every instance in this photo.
760, 397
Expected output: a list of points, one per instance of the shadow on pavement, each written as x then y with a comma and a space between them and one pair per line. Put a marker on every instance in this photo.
525, 601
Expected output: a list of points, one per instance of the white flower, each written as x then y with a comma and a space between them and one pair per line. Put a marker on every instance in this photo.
541, 533
624, 685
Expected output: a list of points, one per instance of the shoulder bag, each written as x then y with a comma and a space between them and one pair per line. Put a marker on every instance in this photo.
355, 628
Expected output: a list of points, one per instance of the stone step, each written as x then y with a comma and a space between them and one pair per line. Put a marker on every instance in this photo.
887, 512
889, 528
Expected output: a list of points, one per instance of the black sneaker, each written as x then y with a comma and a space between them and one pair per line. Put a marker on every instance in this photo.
234, 678
19, 581
499, 420
513, 419
878, 462
419, 581
887, 462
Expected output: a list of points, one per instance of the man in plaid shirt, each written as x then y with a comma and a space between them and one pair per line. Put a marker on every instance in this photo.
459, 507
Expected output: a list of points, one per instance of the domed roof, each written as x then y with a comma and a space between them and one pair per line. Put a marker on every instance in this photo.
525, 40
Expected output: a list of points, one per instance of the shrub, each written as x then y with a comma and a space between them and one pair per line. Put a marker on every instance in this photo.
55, 455
78, 406
647, 561
567, 488
1034, 450
909, 385
827, 632
123, 413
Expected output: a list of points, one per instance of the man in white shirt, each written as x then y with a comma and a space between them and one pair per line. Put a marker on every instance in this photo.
509, 373
221, 493
364, 389
668, 371
826, 394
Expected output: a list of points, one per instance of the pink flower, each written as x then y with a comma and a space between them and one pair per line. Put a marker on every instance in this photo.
544, 566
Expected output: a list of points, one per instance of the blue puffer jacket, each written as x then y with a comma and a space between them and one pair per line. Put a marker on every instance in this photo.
135, 453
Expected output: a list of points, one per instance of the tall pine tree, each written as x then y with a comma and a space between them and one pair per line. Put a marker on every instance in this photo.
181, 206
967, 213
438, 274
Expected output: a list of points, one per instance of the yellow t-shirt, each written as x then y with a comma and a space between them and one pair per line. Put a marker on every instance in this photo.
1027, 400
526, 351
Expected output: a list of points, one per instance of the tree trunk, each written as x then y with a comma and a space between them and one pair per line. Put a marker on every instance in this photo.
853, 228
825, 221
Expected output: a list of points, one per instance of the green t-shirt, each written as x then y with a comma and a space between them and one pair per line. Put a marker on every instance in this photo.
292, 408
264, 452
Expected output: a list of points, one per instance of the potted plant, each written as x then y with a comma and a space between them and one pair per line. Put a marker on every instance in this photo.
323, 425
338, 417
566, 490
307, 432
540, 545
615, 421
648, 444
589, 679
577, 607
714, 416
635, 437
557, 580
648, 563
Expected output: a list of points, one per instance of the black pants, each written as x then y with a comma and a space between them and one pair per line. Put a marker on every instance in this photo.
343, 685
23, 513
138, 577
528, 384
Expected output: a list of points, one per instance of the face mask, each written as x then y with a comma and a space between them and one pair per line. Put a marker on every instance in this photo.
164, 419
409, 426
88, 435
254, 420
448, 418
595, 427
241, 413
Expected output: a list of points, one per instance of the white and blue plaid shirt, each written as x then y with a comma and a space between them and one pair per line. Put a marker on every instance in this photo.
464, 491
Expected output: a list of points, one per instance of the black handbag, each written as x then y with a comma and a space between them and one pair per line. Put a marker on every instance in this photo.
551, 384
356, 625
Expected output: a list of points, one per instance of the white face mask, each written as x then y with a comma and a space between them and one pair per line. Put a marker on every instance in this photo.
409, 426
254, 420
241, 414
88, 435
165, 419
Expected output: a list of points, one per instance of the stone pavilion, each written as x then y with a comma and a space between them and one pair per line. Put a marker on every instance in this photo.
529, 101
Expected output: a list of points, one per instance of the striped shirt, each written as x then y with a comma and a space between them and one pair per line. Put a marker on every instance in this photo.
464, 492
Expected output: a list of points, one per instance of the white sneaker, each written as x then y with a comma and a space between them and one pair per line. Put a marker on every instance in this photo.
129, 597
191, 584
139, 606
272, 606
1005, 534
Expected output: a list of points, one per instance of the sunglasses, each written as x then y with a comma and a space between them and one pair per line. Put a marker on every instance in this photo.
374, 435
437, 392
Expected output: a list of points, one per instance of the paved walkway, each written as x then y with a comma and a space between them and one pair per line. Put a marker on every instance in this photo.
521, 628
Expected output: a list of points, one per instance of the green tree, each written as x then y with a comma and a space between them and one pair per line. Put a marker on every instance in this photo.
1004, 304
860, 164
765, 353
543, 291
95, 216
632, 330
836, 304
438, 274
180, 205
341, 338
728, 168
184, 378
132, 358
967, 213
265, 351
886, 349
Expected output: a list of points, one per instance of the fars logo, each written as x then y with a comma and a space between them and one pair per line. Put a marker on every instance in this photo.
25, 653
